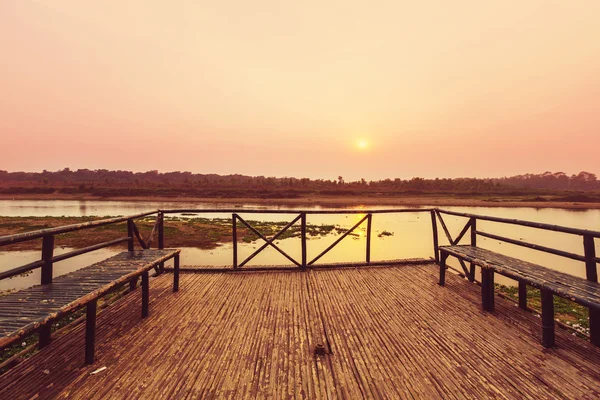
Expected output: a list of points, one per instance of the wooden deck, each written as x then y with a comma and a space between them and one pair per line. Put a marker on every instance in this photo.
391, 333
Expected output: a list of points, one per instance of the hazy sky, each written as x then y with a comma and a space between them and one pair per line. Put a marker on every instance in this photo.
281, 88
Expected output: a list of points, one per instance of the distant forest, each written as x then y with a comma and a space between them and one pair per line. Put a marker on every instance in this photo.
105, 183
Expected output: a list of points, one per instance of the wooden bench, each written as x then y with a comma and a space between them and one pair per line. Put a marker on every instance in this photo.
549, 281
36, 308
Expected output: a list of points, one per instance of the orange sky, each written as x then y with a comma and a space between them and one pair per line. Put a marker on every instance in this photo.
268, 87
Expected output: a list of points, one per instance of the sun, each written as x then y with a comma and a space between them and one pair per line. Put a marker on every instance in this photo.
362, 144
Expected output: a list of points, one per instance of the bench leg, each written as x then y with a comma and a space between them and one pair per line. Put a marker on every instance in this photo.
523, 295
443, 258
547, 318
176, 273
90, 332
487, 289
595, 326
145, 293
472, 273
45, 336
161, 267
133, 284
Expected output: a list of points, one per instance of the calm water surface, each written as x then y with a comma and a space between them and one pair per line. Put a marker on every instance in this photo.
412, 235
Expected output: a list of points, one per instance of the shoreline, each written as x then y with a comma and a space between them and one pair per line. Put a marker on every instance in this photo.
332, 201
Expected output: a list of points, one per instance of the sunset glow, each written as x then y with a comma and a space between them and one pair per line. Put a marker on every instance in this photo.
257, 87
362, 144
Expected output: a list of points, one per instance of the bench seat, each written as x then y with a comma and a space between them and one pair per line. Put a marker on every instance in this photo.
549, 281
27, 310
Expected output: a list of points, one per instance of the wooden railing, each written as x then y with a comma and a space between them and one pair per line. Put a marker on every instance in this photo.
48, 235
589, 251
303, 263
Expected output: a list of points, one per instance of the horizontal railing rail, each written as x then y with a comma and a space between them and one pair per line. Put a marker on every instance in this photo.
47, 235
531, 224
300, 215
292, 211
22, 237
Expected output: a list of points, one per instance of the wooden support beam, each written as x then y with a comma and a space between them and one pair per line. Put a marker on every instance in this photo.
45, 335
234, 239
138, 236
595, 326
338, 240
474, 244
446, 231
269, 242
130, 234
464, 267
463, 232
591, 274
303, 238
443, 258
161, 231
161, 237
487, 289
133, 284
369, 223
90, 331
547, 318
435, 237
523, 295
176, 273
47, 255
145, 293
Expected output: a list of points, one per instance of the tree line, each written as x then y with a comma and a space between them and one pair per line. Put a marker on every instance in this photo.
103, 182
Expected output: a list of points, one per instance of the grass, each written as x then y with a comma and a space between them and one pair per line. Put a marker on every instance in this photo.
565, 311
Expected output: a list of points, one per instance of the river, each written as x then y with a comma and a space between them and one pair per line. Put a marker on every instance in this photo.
411, 235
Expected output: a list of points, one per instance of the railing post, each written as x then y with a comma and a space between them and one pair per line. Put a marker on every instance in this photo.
523, 295
161, 230
369, 221
130, 234
303, 238
234, 236
435, 237
47, 254
474, 244
90, 331
145, 293
161, 238
591, 274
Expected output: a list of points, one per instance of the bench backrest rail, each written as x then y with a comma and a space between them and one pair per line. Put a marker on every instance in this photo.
589, 236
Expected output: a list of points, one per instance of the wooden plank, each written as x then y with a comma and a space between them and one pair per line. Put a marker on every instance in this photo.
389, 333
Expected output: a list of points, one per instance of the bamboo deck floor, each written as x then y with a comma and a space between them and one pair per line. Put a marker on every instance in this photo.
391, 333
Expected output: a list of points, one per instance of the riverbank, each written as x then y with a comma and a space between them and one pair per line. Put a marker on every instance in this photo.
424, 200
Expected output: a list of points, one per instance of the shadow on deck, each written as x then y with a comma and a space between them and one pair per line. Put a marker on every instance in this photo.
387, 332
